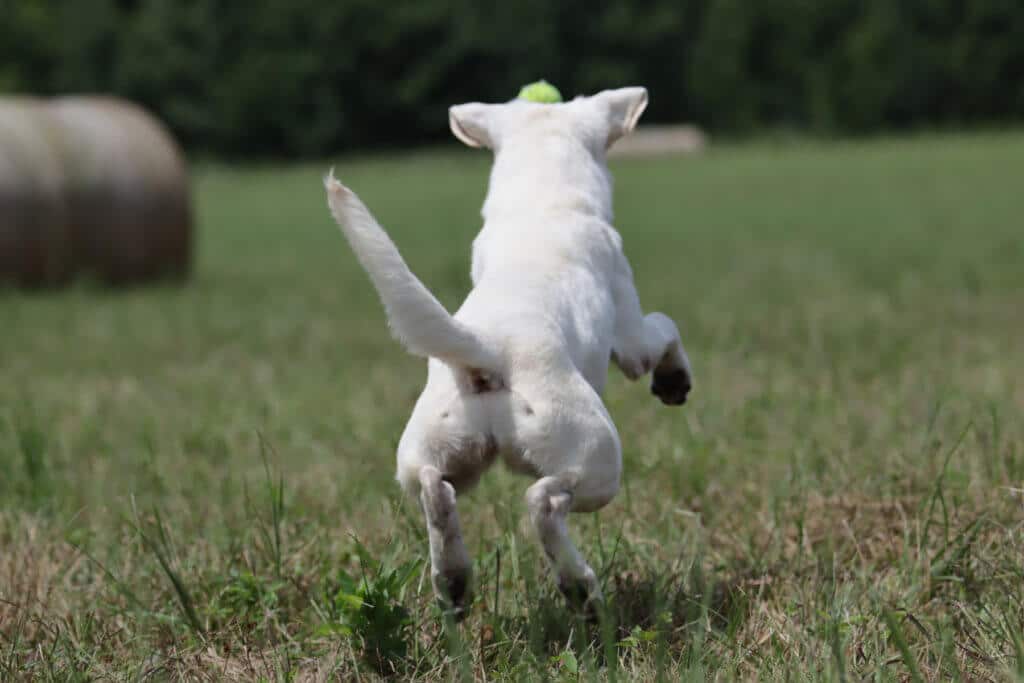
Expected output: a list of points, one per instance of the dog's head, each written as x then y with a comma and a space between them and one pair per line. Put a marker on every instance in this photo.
596, 122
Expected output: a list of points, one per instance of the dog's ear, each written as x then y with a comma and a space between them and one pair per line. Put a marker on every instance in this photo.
472, 123
622, 109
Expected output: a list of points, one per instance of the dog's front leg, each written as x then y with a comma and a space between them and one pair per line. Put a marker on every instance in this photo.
648, 342
671, 380
449, 560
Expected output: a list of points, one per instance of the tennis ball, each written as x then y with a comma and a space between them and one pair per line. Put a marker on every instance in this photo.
541, 91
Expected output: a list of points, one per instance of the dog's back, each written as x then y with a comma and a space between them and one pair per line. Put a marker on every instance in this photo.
546, 285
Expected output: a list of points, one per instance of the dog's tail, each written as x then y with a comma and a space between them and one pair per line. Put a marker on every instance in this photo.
417, 318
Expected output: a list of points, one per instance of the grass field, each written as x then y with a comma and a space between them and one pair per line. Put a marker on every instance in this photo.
197, 482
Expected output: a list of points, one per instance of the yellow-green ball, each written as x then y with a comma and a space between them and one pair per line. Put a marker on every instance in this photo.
541, 92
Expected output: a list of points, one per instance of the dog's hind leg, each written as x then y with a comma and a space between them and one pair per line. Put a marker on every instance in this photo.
575, 448
449, 560
549, 501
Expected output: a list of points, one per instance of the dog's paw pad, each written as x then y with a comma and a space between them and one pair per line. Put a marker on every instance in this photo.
671, 386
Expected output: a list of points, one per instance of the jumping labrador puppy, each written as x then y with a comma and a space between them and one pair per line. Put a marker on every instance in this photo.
517, 373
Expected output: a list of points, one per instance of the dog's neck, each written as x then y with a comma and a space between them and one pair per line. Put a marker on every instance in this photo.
559, 176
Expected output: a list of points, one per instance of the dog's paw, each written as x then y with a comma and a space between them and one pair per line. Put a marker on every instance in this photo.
454, 593
671, 386
583, 595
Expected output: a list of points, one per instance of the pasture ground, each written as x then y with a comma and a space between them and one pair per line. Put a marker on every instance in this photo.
196, 482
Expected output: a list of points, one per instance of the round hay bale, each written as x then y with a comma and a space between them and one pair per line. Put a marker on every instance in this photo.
653, 140
35, 235
127, 191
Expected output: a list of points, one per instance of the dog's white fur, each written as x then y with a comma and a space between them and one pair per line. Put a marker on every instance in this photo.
518, 371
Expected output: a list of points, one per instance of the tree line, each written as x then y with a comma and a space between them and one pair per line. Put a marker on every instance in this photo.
299, 78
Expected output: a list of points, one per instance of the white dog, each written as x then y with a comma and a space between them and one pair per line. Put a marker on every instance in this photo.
518, 371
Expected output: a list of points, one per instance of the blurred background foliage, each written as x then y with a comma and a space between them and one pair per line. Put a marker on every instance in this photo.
299, 78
